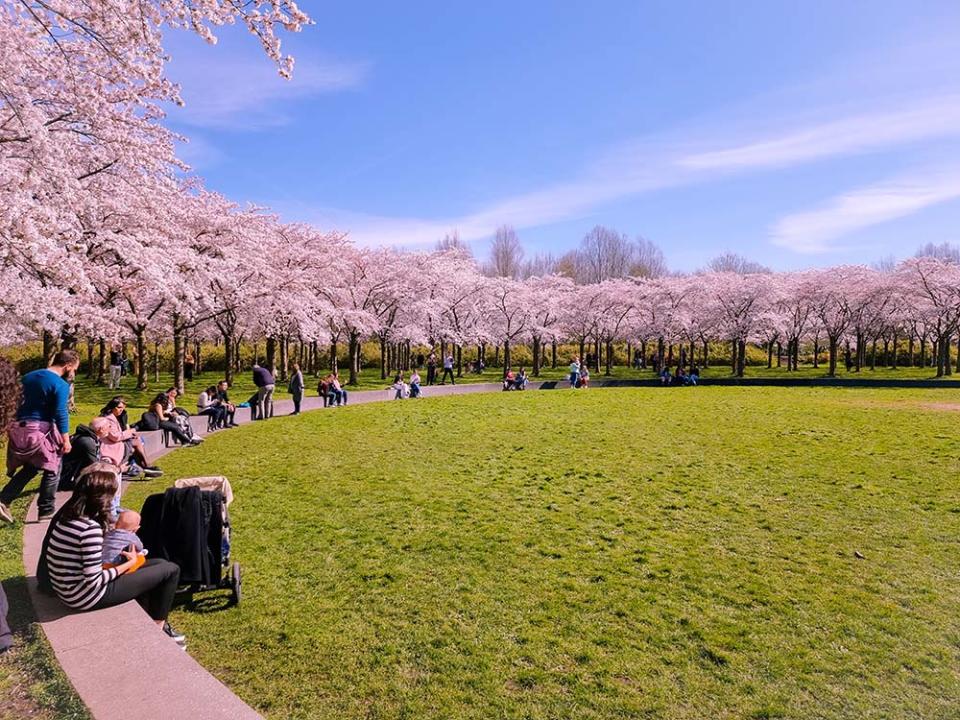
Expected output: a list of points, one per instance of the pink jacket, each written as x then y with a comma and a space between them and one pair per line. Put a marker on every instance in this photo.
33, 442
112, 446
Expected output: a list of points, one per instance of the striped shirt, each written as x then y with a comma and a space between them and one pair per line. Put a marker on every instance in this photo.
75, 560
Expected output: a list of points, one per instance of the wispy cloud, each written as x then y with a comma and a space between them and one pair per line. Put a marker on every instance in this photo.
814, 231
931, 118
226, 89
658, 163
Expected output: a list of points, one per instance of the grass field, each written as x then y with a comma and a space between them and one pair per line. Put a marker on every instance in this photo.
625, 553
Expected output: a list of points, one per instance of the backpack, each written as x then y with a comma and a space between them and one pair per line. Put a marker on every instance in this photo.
148, 421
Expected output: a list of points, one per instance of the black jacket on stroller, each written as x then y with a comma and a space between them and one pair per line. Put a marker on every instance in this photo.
185, 526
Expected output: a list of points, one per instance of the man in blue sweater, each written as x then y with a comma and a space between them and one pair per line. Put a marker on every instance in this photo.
40, 435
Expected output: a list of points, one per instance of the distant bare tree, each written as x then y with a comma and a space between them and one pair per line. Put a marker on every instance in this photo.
540, 265
605, 254
732, 262
506, 254
943, 251
648, 260
887, 263
568, 265
452, 241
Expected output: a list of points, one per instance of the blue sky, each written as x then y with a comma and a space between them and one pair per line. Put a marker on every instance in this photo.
798, 134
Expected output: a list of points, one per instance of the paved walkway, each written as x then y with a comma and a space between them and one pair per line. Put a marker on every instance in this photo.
120, 663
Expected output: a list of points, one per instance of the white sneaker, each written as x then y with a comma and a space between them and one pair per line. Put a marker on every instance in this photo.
5, 514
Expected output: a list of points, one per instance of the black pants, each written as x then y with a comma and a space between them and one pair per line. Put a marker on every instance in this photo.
447, 371
153, 586
48, 487
176, 431
297, 399
431, 375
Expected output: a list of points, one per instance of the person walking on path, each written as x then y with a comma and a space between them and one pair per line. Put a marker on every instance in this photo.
431, 369
40, 436
296, 386
116, 365
264, 381
447, 370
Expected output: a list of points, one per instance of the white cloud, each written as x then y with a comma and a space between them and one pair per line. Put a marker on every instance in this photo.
224, 89
634, 169
813, 232
930, 118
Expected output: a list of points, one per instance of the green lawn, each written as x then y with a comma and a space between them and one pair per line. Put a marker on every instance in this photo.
659, 553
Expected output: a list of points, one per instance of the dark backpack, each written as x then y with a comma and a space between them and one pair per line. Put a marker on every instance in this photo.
148, 421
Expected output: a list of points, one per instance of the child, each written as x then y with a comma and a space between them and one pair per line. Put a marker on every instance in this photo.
415, 384
123, 535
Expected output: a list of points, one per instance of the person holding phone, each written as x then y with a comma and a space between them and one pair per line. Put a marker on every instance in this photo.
71, 560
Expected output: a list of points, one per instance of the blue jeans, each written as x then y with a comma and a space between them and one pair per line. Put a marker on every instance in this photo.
574, 378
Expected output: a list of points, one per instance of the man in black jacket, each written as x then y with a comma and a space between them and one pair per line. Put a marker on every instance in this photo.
85, 450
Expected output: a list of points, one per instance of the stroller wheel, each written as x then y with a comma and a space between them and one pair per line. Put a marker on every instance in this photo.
236, 582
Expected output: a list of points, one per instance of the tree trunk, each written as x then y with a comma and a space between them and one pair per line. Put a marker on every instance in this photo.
284, 357
179, 347
91, 368
832, 372
104, 362
459, 361
553, 347
536, 357
270, 361
333, 356
354, 352
506, 357
733, 357
770, 356
582, 345
383, 358
816, 353
609, 357
197, 357
49, 347
741, 357
873, 355
228, 359
140, 340
156, 361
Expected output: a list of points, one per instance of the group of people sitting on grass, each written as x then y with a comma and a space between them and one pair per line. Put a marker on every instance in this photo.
680, 376
403, 390
85, 559
515, 381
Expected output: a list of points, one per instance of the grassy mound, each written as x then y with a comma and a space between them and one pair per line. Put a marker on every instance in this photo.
664, 553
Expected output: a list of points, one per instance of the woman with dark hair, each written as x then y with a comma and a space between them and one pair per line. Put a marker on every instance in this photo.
71, 561
123, 444
9, 402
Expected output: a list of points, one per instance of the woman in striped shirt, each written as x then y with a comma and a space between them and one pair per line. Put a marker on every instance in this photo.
71, 562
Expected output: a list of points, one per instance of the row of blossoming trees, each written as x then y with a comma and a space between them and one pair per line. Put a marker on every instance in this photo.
104, 236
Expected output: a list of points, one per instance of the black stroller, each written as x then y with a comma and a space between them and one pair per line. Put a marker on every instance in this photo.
190, 526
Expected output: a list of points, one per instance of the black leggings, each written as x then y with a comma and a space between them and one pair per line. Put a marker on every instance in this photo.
153, 586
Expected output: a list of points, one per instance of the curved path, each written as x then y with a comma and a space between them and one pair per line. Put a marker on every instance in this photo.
120, 664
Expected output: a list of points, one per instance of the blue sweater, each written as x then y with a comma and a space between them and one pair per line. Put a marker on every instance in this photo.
45, 396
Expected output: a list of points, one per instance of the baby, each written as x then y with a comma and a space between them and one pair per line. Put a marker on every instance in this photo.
123, 535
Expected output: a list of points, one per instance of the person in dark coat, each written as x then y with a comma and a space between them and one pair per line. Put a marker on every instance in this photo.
85, 450
296, 388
